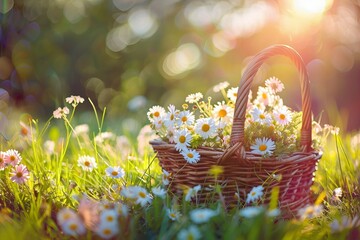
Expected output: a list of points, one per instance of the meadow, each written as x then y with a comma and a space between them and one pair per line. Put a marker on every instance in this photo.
61, 181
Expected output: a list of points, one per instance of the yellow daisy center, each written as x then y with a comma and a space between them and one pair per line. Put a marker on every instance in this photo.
262, 147
19, 174
264, 95
182, 139
73, 226
114, 173
1, 160
87, 163
156, 114
262, 116
142, 195
12, 158
184, 119
282, 116
109, 218
172, 117
222, 113
205, 127
107, 231
172, 215
253, 193
190, 155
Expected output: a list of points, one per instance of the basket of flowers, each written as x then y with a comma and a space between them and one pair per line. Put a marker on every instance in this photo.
243, 146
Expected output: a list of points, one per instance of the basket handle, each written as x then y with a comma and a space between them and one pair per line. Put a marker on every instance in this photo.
237, 133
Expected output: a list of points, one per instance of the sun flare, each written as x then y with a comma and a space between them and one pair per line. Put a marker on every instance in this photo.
312, 7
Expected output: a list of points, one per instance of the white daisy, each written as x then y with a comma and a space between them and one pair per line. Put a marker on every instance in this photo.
109, 216
283, 116
190, 155
310, 211
260, 116
107, 230
220, 86
263, 146
192, 192
115, 172
192, 233
87, 163
12, 157
274, 84
182, 139
173, 214
205, 127
232, 94
165, 177
250, 212
65, 214
155, 113
255, 194
223, 112
186, 118
143, 198
129, 192
170, 118
158, 191
73, 227
202, 215
193, 98
264, 96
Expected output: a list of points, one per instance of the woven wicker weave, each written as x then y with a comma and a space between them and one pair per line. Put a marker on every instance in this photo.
243, 170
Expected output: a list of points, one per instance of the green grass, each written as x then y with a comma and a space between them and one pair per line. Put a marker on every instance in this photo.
28, 211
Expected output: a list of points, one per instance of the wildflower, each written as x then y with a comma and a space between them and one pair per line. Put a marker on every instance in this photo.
101, 137
264, 96
160, 192
109, 216
87, 163
263, 146
107, 230
190, 155
80, 130
255, 194
73, 227
165, 177
115, 172
20, 174
282, 116
169, 119
12, 157
220, 86
193, 98
333, 130
61, 112
173, 214
250, 212
191, 233
202, 215
182, 139
345, 223
65, 214
74, 100
191, 192
186, 118
310, 211
274, 85
232, 94
261, 116
2, 160
216, 170
143, 197
49, 147
129, 192
155, 113
205, 127
223, 112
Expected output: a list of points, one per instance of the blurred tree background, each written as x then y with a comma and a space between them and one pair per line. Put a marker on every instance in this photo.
127, 55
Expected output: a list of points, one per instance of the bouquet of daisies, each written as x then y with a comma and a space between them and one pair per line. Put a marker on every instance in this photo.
271, 128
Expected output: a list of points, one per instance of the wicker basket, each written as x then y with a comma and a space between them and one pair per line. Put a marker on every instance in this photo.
244, 170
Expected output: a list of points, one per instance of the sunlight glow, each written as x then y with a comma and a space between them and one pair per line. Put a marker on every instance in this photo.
311, 7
